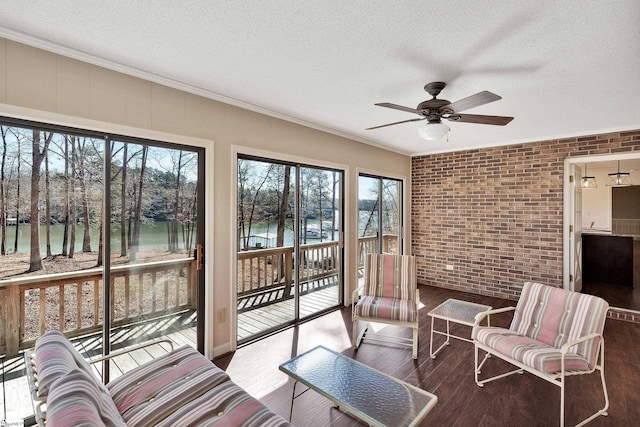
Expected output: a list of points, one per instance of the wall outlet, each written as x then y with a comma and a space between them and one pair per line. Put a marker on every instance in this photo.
449, 267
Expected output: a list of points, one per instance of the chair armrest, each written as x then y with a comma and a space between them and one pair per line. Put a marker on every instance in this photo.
354, 294
130, 350
32, 380
480, 316
566, 346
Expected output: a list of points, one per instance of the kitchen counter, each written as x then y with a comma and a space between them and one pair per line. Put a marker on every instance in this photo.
608, 258
597, 232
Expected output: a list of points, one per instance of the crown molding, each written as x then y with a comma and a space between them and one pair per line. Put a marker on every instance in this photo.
58, 49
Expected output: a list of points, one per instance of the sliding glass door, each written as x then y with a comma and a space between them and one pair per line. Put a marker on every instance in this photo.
289, 244
379, 215
154, 192
102, 232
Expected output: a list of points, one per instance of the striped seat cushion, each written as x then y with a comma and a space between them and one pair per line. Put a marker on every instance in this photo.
225, 405
532, 353
545, 319
76, 399
55, 356
386, 308
390, 276
149, 393
556, 316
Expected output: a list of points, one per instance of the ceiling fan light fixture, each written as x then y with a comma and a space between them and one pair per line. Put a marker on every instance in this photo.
433, 131
619, 179
588, 181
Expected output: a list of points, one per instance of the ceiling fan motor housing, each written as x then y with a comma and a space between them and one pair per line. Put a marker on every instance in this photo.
434, 88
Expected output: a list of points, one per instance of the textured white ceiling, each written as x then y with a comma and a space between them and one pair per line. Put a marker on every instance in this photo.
563, 68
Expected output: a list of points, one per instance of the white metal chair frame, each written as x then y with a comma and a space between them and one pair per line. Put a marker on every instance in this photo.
558, 378
383, 338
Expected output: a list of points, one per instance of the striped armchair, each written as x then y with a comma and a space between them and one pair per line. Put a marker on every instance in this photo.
389, 295
554, 333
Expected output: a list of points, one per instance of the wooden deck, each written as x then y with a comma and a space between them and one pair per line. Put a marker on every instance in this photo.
180, 328
264, 318
265, 312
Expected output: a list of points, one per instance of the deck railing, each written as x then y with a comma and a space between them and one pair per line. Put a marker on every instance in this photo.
263, 270
73, 302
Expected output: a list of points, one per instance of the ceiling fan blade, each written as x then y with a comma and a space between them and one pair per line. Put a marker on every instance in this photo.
480, 119
472, 101
395, 123
399, 107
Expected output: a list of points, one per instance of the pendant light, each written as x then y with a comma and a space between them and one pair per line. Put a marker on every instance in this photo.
619, 179
588, 181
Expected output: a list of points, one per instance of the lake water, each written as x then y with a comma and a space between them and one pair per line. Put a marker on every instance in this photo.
152, 237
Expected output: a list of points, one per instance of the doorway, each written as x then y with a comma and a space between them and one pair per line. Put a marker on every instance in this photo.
379, 215
590, 220
290, 251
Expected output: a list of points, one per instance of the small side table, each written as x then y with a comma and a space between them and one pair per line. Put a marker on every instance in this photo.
456, 311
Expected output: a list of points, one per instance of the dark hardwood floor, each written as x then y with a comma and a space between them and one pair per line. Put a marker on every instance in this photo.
520, 400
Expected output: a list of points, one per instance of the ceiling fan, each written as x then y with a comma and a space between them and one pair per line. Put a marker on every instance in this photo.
434, 110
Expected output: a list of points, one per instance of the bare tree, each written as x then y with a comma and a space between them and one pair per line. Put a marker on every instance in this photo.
284, 207
67, 197
135, 241
81, 172
47, 204
173, 233
19, 163
72, 195
250, 186
123, 203
37, 156
3, 196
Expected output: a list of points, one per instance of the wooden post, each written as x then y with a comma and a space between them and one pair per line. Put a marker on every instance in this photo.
61, 308
288, 272
13, 320
96, 302
79, 285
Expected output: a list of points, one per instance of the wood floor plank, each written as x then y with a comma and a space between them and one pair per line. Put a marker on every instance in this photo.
519, 400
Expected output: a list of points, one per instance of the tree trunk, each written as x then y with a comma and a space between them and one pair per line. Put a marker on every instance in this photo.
15, 242
176, 204
333, 206
67, 188
3, 198
37, 156
100, 244
135, 244
47, 205
123, 204
282, 221
73, 217
284, 206
81, 173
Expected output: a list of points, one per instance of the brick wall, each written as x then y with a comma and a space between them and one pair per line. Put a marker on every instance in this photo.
495, 214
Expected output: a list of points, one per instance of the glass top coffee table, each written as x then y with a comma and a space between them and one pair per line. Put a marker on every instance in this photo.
456, 311
376, 398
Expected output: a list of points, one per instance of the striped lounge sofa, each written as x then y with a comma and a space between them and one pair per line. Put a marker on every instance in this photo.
179, 388
554, 333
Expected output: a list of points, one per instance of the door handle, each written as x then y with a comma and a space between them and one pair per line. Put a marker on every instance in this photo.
199, 257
